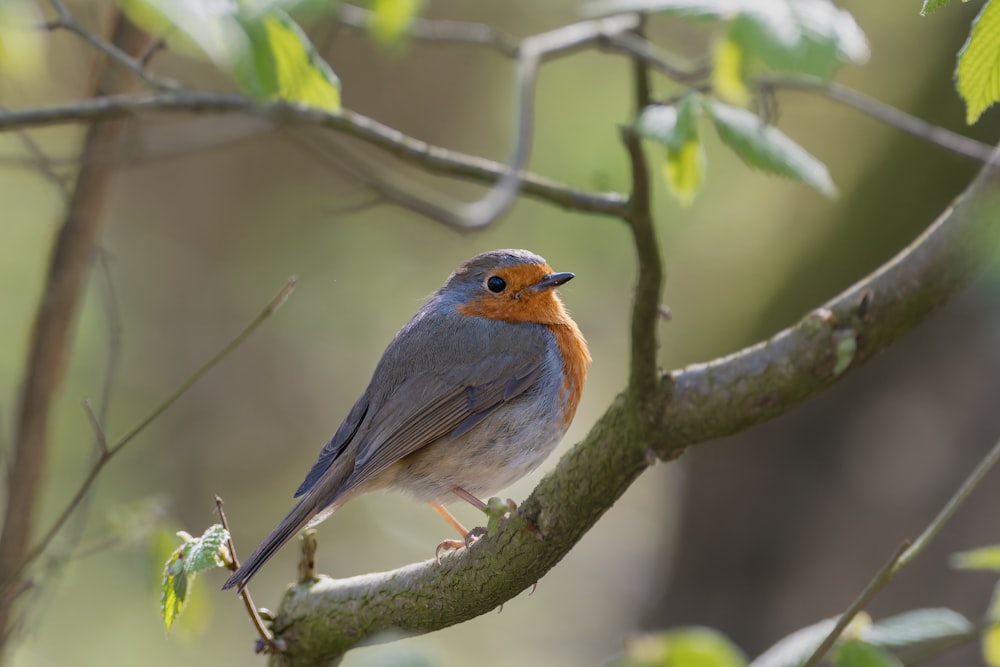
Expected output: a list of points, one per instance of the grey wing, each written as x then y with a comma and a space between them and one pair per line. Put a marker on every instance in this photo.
336, 445
434, 404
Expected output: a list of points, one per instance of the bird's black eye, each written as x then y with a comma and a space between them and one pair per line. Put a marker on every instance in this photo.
496, 284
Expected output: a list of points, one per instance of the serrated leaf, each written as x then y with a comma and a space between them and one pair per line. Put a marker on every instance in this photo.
173, 589
931, 5
985, 558
280, 63
919, 626
793, 650
991, 635
193, 556
205, 552
856, 653
767, 148
978, 72
392, 18
681, 647
809, 36
727, 73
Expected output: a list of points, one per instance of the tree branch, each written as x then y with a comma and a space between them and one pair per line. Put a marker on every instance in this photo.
414, 151
699, 403
71, 258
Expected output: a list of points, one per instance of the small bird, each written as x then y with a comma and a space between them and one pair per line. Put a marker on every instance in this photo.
471, 395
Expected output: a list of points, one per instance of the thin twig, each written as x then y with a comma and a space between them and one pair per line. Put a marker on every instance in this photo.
414, 151
95, 424
877, 583
66, 21
907, 552
652, 56
109, 452
40, 161
234, 563
897, 118
70, 259
956, 501
431, 30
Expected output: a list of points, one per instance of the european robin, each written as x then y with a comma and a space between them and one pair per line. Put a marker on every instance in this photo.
471, 395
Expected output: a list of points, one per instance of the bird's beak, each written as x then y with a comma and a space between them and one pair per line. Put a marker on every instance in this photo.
552, 280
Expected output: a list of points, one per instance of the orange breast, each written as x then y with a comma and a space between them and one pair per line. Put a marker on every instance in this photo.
576, 358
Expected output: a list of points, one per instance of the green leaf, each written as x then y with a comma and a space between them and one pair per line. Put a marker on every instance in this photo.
194, 556
254, 40
392, 18
281, 64
676, 127
681, 647
809, 36
931, 5
986, 558
767, 148
991, 635
855, 653
793, 650
206, 552
728, 73
978, 73
847, 346
22, 40
174, 588
920, 626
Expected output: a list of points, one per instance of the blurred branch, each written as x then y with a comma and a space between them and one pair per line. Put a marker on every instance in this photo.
906, 553
462, 32
72, 254
108, 452
941, 137
698, 404
65, 21
891, 116
432, 158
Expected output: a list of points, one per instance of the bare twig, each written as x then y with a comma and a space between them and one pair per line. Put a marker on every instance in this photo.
906, 553
460, 32
877, 583
66, 21
432, 158
50, 339
652, 56
891, 116
95, 424
40, 161
266, 637
109, 452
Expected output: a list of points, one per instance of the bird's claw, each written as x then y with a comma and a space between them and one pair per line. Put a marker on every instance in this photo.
466, 542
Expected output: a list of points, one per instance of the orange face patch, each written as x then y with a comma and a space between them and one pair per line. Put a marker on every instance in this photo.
518, 303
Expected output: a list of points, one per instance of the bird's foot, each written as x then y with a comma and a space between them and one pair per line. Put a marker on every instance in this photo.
466, 542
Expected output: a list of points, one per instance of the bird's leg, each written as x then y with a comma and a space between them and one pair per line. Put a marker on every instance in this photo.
450, 518
448, 545
469, 498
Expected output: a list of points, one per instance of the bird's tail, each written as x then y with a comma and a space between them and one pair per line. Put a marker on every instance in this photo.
296, 520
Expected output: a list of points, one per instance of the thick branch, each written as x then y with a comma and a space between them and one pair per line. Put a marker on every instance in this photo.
699, 403
414, 151
71, 257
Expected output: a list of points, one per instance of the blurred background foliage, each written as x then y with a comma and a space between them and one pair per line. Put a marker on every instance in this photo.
757, 535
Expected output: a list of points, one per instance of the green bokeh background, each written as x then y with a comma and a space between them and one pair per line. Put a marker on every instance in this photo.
203, 229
